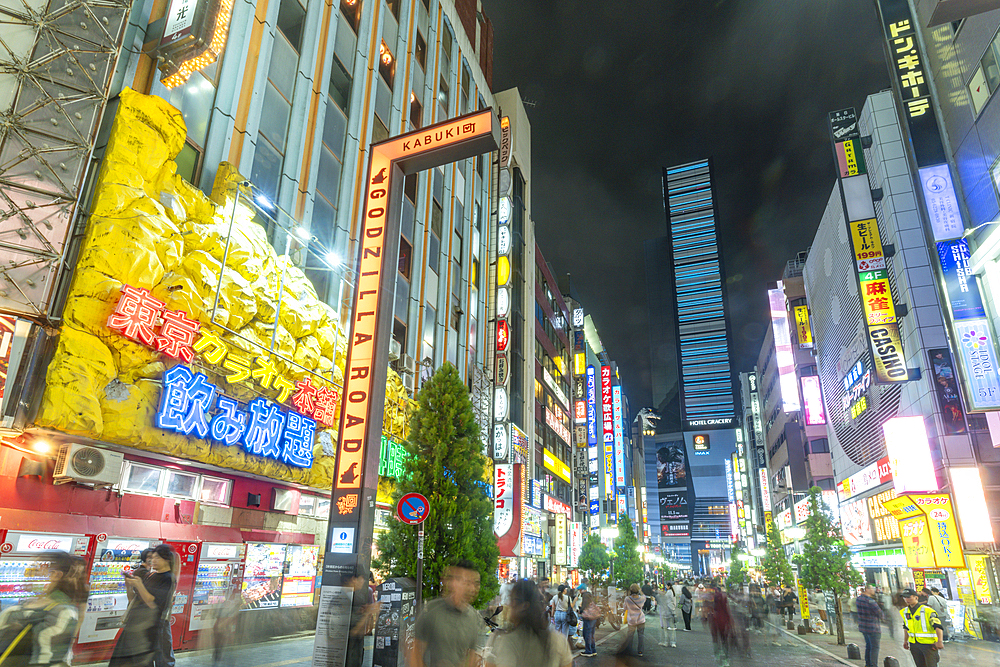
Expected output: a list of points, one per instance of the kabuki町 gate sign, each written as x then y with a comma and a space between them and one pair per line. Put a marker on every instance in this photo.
356, 475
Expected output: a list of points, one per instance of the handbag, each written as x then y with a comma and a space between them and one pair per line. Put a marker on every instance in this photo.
571, 619
591, 613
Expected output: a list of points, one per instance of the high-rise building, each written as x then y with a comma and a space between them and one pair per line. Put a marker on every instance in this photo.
707, 397
692, 374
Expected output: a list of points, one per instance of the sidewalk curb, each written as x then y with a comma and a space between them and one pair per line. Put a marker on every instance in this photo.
819, 648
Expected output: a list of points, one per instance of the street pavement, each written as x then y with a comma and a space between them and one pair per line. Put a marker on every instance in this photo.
694, 649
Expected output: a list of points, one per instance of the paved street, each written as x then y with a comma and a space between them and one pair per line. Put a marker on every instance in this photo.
694, 649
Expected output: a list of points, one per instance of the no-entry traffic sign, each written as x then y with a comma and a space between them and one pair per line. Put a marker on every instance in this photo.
412, 508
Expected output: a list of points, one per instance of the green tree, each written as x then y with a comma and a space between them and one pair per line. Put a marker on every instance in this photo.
628, 564
737, 568
825, 561
594, 560
447, 465
777, 571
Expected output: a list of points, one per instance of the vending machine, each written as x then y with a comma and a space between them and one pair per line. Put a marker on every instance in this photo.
265, 566
24, 572
181, 610
113, 556
300, 575
219, 575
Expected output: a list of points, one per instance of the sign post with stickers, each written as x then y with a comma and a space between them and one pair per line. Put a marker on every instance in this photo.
413, 509
356, 473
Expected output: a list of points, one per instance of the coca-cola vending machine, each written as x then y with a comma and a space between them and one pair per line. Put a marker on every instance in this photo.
219, 575
24, 572
113, 556
180, 613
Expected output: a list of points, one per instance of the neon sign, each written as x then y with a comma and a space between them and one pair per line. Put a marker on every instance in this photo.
263, 428
141, 317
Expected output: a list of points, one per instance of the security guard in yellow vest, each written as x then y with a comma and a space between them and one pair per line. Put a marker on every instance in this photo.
922, 630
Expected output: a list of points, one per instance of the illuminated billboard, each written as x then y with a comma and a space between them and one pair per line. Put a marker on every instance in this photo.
783, 355
607, 418
970, 501
616, 402
909, 454
812, 396
802, 328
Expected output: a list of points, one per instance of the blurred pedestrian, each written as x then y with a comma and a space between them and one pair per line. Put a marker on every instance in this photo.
146, 638
687, 606
720, 621
635, 618
224, 628
788, 601
530, 642
870, 624
40, 630
447, 632
667, 606
647, 590
937, 602
559, 609
590, 614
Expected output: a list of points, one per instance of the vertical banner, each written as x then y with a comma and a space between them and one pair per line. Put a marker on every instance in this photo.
507, 509
946, 387
619, 431
877, 302
607, 413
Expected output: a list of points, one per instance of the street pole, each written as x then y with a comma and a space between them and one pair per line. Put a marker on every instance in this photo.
420, 566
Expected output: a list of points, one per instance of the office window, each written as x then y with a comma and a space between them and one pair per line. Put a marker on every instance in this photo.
819, 446
399, 335
405, 257
379, 130
474, 278
416, 112
386, 64
410, 187
420, 51
443, 98
340, 85
430, 322
351, 10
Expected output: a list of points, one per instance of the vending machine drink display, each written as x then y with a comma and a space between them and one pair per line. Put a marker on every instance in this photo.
180, 611
24, 572
300, 576
108, 600
219, 573
265, 565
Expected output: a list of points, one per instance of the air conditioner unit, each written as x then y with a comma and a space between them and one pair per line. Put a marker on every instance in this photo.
87, 465
409, 365
394, 349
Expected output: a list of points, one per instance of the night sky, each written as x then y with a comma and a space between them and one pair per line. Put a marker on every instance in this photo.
621, 89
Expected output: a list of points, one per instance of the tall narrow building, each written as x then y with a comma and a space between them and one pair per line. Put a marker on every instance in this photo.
707, 397
692, 375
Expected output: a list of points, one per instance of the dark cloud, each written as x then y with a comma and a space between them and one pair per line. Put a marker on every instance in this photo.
622, 89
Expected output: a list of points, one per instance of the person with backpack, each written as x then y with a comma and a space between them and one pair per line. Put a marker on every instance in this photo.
40, 631
145, 639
